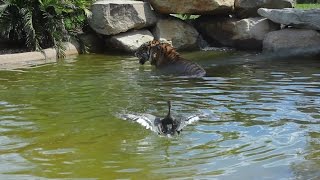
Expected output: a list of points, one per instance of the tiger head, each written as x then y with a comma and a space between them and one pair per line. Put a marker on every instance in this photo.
144, 53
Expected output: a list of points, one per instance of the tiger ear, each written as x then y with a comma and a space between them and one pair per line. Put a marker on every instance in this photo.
156, 41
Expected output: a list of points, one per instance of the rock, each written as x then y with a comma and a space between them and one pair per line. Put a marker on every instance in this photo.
293, 42
248, 8
306, 19
129, 41
242, 34
200, 7
27, 59
72, 48
180, 34
92, 42
116, 16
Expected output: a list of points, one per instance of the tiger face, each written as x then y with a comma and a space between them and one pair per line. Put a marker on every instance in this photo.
144, 53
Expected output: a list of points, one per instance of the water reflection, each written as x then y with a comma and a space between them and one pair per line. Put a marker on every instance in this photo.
258, 118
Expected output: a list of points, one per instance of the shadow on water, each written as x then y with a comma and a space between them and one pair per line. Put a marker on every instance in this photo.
259, 117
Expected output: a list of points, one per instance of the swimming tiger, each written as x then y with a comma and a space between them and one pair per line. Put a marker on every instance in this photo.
163, 56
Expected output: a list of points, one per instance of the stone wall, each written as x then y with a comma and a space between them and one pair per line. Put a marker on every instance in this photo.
26, 59
240, 24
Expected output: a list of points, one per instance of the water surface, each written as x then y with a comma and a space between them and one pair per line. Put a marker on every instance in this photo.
260, 119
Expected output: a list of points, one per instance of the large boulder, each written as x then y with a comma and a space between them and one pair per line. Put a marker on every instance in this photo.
116, 16
239, 33
248, 8
193, 6
180, 34
293, 42
306, 19
129, 41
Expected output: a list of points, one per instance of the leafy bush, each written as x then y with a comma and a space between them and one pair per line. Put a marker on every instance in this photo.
42, 24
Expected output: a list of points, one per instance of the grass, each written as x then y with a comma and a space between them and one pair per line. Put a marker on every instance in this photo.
307, 6
185, 16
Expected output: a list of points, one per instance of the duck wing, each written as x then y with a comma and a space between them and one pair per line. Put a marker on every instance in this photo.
149, 121
183, 122
152, 122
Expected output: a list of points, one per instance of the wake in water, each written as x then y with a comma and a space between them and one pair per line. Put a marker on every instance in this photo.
163, 126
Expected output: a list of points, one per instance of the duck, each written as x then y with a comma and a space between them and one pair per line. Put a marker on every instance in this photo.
166, 126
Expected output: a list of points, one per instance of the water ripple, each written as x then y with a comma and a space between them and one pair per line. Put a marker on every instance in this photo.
258, 119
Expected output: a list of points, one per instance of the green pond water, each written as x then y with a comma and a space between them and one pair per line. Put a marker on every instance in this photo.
259, 119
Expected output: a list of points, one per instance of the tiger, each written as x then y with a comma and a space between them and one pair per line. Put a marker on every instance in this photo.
165, 57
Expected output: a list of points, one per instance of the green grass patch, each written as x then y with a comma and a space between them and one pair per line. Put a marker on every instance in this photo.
185, 16
307, 6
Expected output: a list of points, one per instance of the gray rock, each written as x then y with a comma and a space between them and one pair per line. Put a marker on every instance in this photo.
129, 41
116, 16
293, 42
248, 8
92, 42
180, 34
239, 33
193, 6
306, 19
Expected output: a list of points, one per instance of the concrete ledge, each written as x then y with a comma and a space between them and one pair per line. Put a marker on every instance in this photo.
27, 59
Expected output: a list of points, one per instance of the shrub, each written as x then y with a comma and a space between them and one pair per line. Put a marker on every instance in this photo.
42, 24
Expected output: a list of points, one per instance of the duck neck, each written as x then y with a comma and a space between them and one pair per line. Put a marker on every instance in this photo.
169, 109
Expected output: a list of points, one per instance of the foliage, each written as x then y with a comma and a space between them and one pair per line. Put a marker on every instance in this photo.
307, 6
186, 16
42, 24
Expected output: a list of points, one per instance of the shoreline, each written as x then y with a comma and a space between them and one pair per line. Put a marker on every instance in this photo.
29, 59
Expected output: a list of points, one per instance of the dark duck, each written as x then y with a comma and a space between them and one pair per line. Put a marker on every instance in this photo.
167, 126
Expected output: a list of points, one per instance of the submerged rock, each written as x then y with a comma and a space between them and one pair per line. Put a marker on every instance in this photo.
116, 16
305, 19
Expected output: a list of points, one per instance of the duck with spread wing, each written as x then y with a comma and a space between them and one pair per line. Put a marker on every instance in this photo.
167, 126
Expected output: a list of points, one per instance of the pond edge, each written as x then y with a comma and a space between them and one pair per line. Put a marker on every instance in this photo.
28, 59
